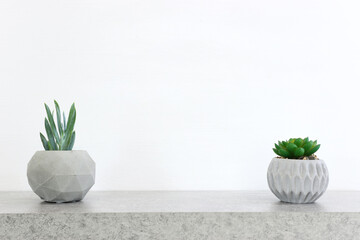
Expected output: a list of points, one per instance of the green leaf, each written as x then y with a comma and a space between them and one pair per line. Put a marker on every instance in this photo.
311, 144
296, 148
299, 142
64, 138
71, 119
52, 123
64, 118
50, 135
299, 152
291, 147
307, 147
284, 153
72, 141
58, 116
44, 142
314, 149
67, 141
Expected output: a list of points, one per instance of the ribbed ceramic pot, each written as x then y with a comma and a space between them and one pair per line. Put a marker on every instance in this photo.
297, 181
61, 176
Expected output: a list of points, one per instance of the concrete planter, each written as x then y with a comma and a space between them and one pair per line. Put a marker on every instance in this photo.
297, 181
61, 176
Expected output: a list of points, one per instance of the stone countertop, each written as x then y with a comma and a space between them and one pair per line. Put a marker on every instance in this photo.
181, 201
198, 215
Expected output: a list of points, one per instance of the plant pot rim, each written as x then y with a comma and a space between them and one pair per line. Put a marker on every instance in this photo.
51, 151
296, 160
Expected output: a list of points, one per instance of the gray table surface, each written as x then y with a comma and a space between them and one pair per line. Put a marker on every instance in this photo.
180, 201
207, 215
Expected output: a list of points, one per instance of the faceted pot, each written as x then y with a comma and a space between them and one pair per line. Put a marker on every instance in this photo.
61, 176
297, 181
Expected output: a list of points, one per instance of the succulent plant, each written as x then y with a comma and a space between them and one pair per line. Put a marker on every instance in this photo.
297, 148
62, 137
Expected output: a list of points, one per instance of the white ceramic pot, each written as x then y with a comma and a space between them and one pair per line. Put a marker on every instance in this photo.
61, 176
297, 181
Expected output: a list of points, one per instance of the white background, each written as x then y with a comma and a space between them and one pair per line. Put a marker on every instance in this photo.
182, 95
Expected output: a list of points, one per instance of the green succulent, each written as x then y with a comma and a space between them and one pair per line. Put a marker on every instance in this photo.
296, 148
63, 137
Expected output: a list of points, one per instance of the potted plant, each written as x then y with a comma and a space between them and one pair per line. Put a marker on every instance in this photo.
60, 174
297, 175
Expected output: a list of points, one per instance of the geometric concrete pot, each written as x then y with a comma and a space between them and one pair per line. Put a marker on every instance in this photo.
297, 181
61, 176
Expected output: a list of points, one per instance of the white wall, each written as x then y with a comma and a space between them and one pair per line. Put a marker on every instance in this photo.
182, 95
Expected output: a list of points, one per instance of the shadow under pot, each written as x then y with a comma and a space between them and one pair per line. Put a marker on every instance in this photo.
297, 181
61, 176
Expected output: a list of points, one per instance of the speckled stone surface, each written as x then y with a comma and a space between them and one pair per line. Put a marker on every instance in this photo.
180, 215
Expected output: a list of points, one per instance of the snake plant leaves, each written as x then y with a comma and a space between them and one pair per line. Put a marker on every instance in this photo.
67, 140
296, 148
51, 121
44, 141
64, 122
50, 135
58, 118
72, 141
62, 136
71, 119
